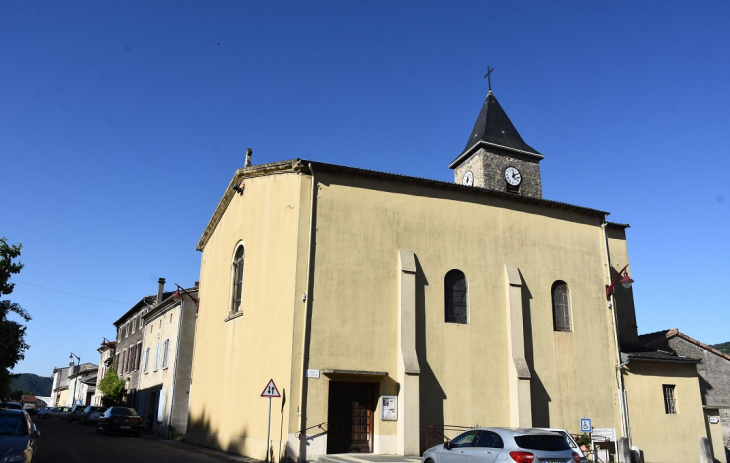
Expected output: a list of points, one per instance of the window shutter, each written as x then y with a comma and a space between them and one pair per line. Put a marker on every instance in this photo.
161, 406
157, 356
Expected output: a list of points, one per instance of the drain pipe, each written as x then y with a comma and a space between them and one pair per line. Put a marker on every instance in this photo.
623, 409
307, 310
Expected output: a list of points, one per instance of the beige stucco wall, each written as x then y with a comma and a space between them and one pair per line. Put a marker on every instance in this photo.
235, 359
665, 438
362, 223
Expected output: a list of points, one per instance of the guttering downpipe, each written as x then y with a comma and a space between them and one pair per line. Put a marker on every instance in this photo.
623, 409
307, 309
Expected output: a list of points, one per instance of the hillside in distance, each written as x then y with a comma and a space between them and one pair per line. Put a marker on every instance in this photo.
33, 384
723, 347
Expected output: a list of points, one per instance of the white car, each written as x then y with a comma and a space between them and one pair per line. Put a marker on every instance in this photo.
492, 445
569, 439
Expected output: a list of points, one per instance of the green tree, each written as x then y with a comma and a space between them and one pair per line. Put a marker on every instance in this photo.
16, 394
12, 333
113, 387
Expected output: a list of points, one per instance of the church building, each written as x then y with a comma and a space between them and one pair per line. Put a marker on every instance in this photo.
382, 307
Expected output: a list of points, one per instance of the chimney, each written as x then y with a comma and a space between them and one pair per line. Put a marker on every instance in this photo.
249, 152
160, 290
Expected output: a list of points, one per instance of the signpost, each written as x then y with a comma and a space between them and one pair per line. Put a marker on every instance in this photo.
269, 391
585, 425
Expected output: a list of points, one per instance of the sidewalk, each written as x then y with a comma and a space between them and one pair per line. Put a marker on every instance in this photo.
220, 455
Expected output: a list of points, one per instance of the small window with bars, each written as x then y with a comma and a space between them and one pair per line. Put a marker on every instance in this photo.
670, 400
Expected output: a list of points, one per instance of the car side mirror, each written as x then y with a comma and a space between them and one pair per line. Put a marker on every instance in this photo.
35, 433
447, 445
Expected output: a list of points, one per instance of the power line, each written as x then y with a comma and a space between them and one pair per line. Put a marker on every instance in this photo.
66, 292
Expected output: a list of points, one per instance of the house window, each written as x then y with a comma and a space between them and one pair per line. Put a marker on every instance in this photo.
134, 325
146, 363
126, 329
561, 306
456, 297
139, 355
157, 357
237, 273
670, 401
141, 322
165, 351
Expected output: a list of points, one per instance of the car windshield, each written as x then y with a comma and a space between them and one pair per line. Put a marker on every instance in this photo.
12, 425
542, 442
123, 412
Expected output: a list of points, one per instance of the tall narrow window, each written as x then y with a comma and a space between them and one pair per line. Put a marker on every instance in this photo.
561, 306
237, 280
456, 297
165, 351
139, 355
146, 360
670, 401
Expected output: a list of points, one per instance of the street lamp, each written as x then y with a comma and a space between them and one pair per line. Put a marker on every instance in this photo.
625, 281
177, 297
78, 359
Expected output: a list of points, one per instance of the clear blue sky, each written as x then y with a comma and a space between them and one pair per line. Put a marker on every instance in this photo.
121, 124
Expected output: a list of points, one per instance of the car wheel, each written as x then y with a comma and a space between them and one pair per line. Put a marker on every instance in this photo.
45, 417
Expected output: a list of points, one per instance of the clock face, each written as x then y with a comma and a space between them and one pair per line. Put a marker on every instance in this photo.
468, 178
513, 176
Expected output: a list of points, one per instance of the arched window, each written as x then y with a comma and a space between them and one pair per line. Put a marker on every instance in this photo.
456, 297
561, 306
237, 280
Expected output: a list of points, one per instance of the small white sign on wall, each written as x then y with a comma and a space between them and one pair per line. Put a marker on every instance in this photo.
389, 408
312, 373
714, 420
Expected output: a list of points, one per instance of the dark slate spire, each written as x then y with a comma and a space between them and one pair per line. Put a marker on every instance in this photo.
494, 127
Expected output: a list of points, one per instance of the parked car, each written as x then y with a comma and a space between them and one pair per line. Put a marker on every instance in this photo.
11, 405
120, 419
569, 439
490, 445
76, 413
18, 436
92, 414
42, 410
30, 409
56, 412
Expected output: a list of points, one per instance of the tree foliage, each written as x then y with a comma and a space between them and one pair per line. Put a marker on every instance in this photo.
12, 333
112, 386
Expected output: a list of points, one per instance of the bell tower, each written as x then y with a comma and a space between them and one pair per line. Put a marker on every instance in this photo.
496, 157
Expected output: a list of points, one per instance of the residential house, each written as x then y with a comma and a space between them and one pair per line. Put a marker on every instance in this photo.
713, 368
374, 305
167, 353
106, 359
130, 334
59, 387
81, 384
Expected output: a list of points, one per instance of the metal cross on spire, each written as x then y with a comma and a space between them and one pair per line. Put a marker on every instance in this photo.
489, 77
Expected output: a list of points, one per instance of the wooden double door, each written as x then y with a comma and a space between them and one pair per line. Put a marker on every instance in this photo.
350, 417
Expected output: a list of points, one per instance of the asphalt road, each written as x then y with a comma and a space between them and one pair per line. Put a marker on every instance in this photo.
64, 442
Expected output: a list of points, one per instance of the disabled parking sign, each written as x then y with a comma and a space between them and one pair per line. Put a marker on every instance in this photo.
585, 425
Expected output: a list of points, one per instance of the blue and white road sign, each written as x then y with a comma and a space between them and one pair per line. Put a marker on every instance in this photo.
585, 425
